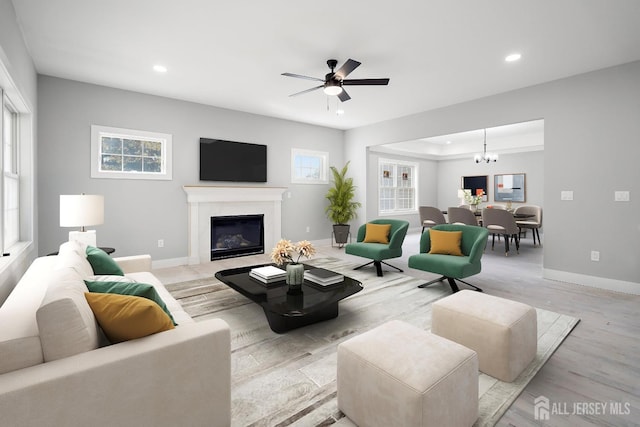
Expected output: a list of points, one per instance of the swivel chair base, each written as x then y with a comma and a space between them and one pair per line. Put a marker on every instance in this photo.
452, 283
378, 265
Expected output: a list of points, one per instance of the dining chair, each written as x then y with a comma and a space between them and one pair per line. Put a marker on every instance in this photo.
534, 222
461, 216
430, 216
465, 206
501, 222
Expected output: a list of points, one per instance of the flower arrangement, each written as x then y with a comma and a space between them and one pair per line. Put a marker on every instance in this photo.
284, 251
473, 200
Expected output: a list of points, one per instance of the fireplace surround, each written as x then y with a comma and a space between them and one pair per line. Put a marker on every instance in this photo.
204, 202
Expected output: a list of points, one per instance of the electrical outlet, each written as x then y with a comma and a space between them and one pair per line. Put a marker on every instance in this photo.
161, 243
621, 196
308, 229
566, 195
595, 256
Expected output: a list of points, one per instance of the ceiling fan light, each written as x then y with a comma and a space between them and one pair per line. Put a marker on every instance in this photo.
332, 88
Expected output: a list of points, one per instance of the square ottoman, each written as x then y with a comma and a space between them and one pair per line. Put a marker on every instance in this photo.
399, 375
501, 331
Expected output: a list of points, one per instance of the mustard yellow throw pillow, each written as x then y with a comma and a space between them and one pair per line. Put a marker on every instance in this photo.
377, 233
124, 317
445, 242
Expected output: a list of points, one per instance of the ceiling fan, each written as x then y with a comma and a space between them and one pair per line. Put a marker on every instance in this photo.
335, 80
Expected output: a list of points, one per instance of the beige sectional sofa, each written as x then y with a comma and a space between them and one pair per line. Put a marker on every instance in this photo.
57, 368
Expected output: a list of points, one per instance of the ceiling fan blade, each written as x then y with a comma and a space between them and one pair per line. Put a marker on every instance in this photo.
347, 68
361, 82
343, 96
300, 76
308, 90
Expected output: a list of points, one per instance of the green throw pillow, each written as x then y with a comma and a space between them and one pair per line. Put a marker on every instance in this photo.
133, 289
102, 263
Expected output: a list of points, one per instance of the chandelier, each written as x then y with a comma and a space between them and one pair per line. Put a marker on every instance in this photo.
485, 157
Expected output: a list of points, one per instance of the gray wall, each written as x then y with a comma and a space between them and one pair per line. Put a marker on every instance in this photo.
139, 212
440, 180
591, 147
450, 173
17, 62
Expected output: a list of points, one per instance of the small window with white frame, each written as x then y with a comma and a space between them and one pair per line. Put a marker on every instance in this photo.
397, 187
309, 167
130, 154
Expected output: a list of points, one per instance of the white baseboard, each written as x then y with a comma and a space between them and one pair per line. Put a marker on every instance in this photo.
593, 281
172, 262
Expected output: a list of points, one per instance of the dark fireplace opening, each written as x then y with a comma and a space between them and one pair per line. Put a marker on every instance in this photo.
236, 235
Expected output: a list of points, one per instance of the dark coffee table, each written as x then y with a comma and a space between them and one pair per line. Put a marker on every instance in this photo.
284, 311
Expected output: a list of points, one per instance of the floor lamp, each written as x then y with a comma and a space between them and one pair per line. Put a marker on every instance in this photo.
82, 210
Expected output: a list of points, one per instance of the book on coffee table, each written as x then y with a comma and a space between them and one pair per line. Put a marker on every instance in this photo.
323, 276
268, 274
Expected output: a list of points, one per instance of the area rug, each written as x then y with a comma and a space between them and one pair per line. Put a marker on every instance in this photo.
290, 379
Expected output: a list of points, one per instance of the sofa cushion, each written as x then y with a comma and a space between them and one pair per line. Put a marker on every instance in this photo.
72, 254
65, 320
124, 317
128, 288
102, 263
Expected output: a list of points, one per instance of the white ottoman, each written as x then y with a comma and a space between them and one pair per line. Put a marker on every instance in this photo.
400, 375
501, 331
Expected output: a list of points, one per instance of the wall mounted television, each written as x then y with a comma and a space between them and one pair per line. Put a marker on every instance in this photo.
232, 161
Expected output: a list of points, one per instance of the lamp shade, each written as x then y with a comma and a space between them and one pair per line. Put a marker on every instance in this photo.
81, 210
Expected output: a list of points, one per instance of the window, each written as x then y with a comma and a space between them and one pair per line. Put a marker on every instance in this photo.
130, 154
309, 167
397, 186
10, 181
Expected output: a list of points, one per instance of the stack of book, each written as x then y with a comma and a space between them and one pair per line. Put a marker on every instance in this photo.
268, 274
323, 277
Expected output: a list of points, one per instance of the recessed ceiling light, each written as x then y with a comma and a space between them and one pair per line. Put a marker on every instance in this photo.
448, 142
513, 57
339, 112
159, 68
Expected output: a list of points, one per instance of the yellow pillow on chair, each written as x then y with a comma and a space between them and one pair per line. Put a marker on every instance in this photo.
445, 242
377, 233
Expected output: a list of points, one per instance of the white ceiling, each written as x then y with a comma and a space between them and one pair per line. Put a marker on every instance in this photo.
231, 54
512, 138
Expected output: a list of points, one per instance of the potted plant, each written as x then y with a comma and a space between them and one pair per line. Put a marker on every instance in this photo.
342, 208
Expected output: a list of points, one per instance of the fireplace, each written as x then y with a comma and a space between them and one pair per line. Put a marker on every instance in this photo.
207, 201
236, 235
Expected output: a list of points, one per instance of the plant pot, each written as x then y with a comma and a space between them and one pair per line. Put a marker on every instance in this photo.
295, 277
341, 233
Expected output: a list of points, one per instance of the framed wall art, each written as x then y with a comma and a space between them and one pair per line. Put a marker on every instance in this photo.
509, 188
475, 183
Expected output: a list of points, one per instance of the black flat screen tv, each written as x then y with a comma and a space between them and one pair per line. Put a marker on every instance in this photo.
232, 161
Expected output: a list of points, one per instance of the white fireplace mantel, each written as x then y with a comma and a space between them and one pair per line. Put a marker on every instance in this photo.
207, 201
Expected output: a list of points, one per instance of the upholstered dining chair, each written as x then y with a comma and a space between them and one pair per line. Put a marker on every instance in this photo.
534, 223
501, 222
461, 216
379, 239
438, 256
430, 216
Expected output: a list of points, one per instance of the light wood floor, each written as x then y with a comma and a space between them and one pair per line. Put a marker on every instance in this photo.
597, 363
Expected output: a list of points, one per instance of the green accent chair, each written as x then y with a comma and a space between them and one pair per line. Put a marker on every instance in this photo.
451, 267
380, 251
